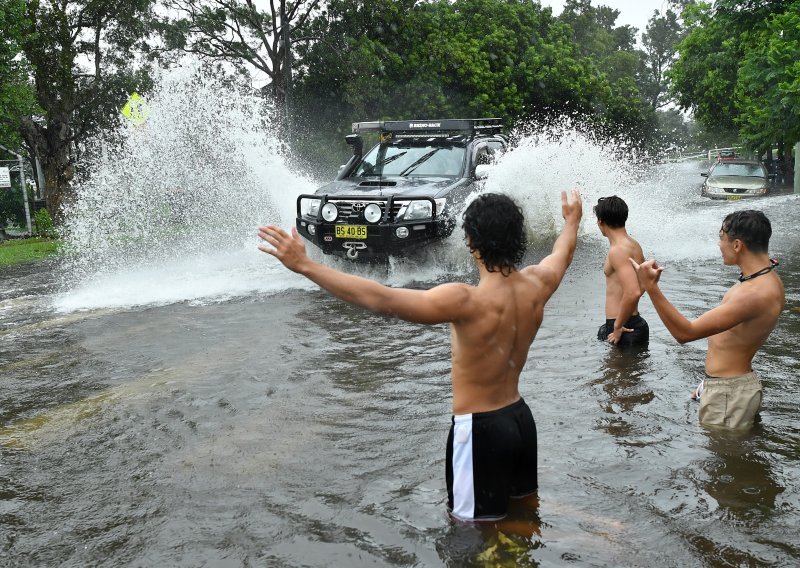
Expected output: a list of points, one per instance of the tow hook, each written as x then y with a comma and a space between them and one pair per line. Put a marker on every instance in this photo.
353, 248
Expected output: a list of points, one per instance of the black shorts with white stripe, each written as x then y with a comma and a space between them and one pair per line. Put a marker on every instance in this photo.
491, 457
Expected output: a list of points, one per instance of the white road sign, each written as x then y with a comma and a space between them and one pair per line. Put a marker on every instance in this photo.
5, 178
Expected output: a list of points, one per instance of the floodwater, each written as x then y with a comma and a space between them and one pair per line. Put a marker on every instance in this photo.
170, 396
224, 412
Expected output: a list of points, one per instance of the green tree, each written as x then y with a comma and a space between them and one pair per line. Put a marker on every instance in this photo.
594, 31
622, 111
343, 73
238, 32
16, 92
660, 42
506, 58
703, 77
768, 87
673, 129
737, 70
83, 69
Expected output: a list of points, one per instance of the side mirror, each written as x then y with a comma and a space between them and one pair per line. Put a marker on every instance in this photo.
772, 176
482, 171
704, 174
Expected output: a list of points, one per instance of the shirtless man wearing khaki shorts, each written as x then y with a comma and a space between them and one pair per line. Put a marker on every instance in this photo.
730, 396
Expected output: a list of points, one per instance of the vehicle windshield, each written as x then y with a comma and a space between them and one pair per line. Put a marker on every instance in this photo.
746, 170
408, 160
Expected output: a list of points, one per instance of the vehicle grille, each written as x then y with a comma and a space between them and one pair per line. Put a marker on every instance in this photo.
735, 190
352, 211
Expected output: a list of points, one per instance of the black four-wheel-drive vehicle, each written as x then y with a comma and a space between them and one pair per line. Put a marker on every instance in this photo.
405, 192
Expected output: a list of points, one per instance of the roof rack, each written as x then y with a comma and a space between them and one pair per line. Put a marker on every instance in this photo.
431, 128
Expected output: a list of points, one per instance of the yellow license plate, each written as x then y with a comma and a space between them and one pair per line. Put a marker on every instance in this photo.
351, 232
734, 197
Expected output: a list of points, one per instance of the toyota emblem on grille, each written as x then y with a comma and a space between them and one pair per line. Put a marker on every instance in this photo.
358, 206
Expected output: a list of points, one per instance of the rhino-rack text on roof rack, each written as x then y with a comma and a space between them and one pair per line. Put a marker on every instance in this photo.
443, 127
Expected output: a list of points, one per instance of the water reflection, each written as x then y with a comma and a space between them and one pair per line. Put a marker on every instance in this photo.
738, 476
507, 543
738, 490
623, 379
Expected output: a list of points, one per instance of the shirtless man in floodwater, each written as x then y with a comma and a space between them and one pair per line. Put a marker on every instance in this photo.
736, 329
491, 448
624, 326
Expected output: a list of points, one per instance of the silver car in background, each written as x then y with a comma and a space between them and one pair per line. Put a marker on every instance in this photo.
736, 179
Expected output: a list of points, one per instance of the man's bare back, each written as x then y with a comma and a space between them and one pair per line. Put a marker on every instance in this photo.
490, 347
623, 326
492, 325
616, 267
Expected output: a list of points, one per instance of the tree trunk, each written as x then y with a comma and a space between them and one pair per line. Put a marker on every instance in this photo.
51, 144
788, 165
58, 174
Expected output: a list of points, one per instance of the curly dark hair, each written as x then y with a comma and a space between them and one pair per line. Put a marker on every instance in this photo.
495, 227
749, 226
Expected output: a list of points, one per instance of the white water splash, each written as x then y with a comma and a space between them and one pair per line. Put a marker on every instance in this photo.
558, 159
667, 214
167, 212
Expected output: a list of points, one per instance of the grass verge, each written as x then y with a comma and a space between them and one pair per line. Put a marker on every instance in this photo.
17, 251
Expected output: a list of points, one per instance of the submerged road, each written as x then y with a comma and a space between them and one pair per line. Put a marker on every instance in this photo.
280, 427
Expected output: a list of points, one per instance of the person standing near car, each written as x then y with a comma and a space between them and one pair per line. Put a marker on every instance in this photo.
624, 327
492, 447
730, 395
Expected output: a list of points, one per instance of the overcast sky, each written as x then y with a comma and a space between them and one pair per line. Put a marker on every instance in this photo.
631, 12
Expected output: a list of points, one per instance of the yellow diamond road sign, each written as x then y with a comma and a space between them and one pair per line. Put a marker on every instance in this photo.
136, 109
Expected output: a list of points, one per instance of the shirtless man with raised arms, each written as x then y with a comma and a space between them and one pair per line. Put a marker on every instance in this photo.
624, 326
491, 447
736, 329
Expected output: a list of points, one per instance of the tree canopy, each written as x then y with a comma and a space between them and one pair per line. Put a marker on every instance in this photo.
660, 42
83, 69
768, 85
240, 33
738, 71
507, 58
67, 67
16, 90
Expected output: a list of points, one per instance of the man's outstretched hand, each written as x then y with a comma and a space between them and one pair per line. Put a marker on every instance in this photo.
647, 273
289, 249
572, 210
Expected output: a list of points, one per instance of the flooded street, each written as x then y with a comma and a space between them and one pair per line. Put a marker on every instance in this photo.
263, 423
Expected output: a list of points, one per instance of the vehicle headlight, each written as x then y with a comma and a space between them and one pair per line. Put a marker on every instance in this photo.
310, 207
440, 203
418, 209
372, 213
330, 212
